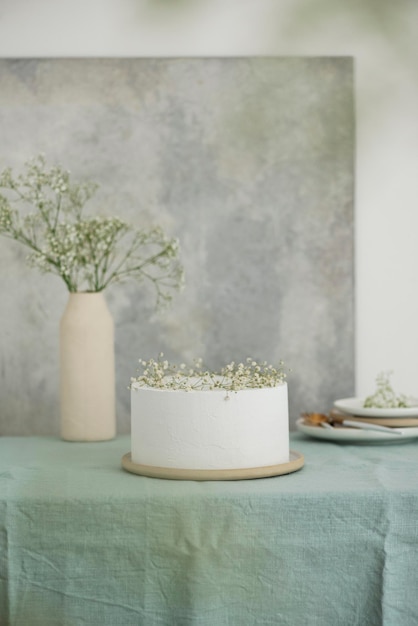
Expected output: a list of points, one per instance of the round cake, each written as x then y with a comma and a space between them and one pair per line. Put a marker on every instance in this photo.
209, 429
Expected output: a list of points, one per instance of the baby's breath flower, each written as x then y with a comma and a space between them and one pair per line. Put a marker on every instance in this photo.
164, 375
88, 253
384, 396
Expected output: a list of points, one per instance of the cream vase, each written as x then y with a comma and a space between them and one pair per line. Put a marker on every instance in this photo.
87, 369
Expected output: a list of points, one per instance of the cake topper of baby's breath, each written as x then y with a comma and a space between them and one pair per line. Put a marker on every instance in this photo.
385, 397
87, 253
160, 374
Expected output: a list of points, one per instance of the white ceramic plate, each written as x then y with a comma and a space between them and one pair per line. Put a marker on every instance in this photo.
354, 435
354, 406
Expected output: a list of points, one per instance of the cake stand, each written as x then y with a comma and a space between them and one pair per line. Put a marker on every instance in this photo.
295, 463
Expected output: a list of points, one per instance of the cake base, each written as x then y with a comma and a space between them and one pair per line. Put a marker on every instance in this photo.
295, 463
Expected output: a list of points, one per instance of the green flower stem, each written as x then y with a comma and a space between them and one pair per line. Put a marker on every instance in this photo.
21, 238
57, 214
118, 272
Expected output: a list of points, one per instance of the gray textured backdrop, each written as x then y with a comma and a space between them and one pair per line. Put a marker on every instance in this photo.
248, 161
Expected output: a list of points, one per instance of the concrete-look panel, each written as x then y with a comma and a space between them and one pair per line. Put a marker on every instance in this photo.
248, 161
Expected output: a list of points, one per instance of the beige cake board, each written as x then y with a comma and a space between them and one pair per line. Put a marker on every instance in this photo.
295, 463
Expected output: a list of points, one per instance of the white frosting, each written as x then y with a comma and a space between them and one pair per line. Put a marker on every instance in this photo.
209, 429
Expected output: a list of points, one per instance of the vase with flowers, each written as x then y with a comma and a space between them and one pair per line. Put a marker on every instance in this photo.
43, 209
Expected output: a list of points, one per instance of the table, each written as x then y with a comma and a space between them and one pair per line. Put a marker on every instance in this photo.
83, 542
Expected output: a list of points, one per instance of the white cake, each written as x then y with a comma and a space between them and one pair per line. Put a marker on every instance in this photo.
209, 429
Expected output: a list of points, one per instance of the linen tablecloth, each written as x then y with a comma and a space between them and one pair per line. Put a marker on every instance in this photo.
83, 542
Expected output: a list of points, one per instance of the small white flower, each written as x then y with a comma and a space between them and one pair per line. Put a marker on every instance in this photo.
163, 375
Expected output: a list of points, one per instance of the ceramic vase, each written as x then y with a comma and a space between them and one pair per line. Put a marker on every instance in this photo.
87, 369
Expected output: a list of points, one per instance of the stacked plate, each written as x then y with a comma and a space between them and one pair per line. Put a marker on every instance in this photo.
401, 425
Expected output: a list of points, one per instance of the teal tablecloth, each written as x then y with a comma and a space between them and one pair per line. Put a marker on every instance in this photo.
82, 542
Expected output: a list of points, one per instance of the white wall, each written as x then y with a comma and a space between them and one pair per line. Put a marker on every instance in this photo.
379, 34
